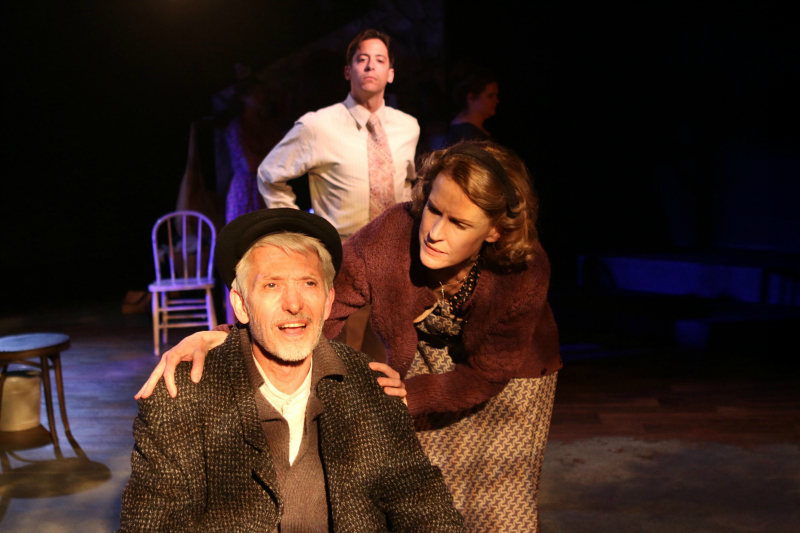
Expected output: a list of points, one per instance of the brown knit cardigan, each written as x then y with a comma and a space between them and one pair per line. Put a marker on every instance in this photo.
509, 330
201, 461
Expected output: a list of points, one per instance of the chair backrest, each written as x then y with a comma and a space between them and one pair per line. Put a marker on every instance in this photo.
186, 232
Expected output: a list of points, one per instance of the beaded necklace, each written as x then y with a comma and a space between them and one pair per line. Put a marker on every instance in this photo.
456, 282
470, 280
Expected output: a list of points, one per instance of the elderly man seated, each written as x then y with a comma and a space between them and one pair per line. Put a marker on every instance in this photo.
286, 431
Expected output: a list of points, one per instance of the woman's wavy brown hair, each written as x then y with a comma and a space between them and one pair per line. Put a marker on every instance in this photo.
518, 235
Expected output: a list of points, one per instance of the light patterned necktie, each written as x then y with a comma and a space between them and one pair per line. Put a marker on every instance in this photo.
381, 168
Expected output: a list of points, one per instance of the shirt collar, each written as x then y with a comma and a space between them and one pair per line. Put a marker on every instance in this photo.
361, 114
276, 396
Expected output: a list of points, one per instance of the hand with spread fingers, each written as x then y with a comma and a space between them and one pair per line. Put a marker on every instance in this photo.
392, 384
193, 348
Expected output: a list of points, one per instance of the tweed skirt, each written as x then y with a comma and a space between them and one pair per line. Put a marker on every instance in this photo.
491, 456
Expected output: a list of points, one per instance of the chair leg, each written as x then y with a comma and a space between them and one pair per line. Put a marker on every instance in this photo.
211, 313
154, 301
164, 316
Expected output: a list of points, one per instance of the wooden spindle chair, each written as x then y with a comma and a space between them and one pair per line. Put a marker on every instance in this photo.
189, 271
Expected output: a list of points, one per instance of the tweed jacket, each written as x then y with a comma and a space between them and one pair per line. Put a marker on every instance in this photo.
508, 329
201, 461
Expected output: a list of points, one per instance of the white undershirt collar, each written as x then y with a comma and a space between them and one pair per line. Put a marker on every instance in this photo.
292, 407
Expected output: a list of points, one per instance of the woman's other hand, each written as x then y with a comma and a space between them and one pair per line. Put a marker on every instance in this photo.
392, 384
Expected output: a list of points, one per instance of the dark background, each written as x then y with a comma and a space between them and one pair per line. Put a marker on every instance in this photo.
599, 95
596, 96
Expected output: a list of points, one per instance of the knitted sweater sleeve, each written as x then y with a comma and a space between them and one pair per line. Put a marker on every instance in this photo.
351, 287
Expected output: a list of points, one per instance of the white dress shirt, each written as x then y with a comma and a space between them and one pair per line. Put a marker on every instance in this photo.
292, 407
331, 145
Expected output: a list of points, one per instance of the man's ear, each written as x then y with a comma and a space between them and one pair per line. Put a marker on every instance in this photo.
347, 72
390, 76
239, 309
329, 303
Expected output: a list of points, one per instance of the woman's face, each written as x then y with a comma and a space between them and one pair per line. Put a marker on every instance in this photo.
453, 228
486, 102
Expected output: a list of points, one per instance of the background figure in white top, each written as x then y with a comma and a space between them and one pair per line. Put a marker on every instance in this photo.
331, 144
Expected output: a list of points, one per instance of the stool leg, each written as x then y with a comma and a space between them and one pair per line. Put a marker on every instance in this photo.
2, 384
6, 469
48, 398
60, 389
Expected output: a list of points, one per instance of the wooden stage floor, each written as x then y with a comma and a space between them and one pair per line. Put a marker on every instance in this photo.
651, 442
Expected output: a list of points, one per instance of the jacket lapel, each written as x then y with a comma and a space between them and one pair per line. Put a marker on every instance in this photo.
328, 383
262, 465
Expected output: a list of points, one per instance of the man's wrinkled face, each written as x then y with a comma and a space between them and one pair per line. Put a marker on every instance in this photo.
286, 303
370, 69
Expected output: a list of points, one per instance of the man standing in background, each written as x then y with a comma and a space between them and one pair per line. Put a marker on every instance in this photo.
359, 156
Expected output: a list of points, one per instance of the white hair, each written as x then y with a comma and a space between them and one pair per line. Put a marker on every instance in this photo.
288, 242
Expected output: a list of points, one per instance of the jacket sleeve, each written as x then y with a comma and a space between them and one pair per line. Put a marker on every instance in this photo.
417, 498
502, 344
290, 158
411, 174
414, 497
163, 494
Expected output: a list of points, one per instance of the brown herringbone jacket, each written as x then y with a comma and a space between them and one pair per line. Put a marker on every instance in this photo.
201, 462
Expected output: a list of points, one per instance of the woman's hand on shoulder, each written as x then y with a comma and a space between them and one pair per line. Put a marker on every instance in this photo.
392, 384
193, 348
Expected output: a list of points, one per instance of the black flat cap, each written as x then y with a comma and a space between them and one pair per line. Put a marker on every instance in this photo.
238, 236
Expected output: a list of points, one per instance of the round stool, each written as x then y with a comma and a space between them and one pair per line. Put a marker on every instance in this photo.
43, 351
